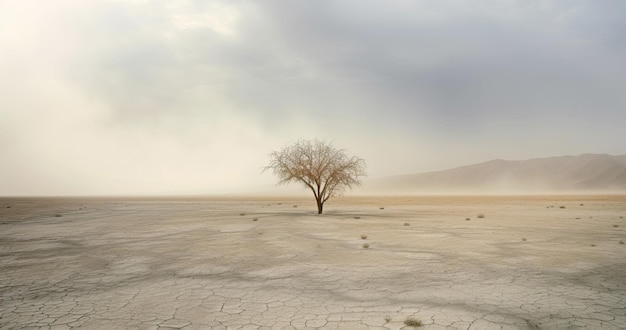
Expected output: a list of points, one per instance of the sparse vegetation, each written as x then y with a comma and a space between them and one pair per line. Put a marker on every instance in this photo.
480, 216
363, 236
366, 246
413, 322
387, 318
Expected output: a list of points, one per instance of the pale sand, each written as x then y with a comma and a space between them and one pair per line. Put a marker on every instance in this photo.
198, 263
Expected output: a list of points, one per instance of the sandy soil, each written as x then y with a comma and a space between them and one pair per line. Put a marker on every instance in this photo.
531, 262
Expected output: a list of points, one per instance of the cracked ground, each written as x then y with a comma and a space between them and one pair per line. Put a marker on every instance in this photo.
269, 263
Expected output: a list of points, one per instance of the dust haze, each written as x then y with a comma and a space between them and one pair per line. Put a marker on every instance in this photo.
135, 98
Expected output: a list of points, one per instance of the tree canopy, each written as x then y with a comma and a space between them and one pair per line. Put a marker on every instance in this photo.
319, 166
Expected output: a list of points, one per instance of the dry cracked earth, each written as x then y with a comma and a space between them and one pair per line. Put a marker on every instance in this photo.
554, 262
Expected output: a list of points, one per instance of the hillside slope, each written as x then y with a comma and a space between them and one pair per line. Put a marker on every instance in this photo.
583, 173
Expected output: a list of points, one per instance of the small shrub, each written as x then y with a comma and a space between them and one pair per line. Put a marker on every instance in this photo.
366, 246
255, 219
387, 318
363, 236
621, 242
615, 226
412, 322
58, 215
381, 208
524, 239
593, 245
357, 217
480, 216
562, 207
407, 224
242, 214
467, 219
295, 206
8, 206
577, 218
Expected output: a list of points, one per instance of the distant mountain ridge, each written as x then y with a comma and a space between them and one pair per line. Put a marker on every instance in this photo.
583, 173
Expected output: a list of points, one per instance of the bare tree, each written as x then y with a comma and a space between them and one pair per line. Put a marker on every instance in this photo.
318, 166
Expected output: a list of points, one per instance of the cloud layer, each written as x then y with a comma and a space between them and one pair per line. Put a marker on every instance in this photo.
133, 97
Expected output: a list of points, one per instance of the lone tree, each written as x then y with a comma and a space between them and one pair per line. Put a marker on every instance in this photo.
318, 166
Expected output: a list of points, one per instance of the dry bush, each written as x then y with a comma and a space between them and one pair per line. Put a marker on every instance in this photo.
412, 322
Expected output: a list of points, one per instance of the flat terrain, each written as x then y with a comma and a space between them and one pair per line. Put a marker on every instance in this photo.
549, 262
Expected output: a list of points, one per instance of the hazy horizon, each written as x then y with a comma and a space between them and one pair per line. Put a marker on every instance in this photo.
136, 97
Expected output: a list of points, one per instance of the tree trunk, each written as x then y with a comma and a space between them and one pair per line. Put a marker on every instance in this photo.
320, 206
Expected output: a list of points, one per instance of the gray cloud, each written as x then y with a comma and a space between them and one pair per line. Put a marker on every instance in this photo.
408, 85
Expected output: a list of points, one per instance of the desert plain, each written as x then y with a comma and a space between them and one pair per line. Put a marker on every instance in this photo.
452, 262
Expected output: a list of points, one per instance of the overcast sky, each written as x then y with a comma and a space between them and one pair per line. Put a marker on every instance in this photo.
142, 97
